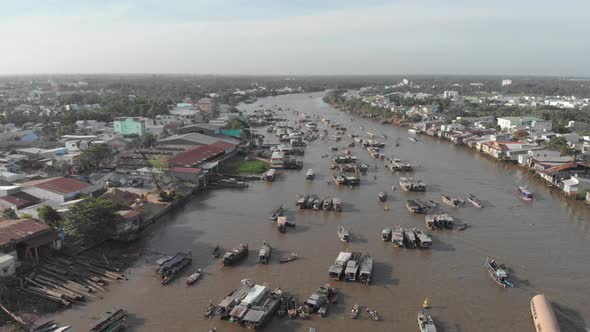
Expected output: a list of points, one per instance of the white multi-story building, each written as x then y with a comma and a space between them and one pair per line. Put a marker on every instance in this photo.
514, 123
451, 94
506, 82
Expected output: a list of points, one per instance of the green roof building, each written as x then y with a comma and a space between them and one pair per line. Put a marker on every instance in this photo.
130, 126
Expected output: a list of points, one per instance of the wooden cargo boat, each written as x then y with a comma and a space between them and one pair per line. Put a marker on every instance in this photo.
277, 213
415, 206
264, 253
452, 201
288, 258
171, 266
475, 201
354, 312
233, 256
386, 234
352, 267
366, 271
397, 237
193, 278
337, 204
409, 239
423, 240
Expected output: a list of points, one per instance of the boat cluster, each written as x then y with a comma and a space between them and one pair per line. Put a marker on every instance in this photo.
352, 267
314, 202
404, 237
411, 184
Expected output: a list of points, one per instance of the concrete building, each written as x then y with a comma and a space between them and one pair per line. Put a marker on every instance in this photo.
130, 126
451, 95
540, 153
574, 185
188, 115
506, 82
206, 105
514, 123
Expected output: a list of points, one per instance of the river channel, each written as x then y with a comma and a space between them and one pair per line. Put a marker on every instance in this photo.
546, 243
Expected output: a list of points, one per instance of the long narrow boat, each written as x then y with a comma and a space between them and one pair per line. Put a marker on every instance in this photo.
524, 193
292, 308
193, 277
452, 201
397, 237
288, 258
234, 255
497, 272
277, 213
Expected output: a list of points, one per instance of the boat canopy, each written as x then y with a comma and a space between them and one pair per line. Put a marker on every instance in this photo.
343, 257
255, 294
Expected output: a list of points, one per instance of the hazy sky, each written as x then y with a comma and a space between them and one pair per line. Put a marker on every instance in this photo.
518, 37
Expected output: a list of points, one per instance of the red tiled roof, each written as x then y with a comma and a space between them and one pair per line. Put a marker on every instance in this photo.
20, 199
59, 185
197, 155
562, 167
20, 229
224, 145
186, 170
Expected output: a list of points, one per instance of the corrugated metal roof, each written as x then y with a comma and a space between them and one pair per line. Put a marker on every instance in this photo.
20, 230
58, 185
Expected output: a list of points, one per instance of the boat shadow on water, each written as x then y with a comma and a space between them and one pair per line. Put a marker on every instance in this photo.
443, 326
438, 245
569, 319
383, 275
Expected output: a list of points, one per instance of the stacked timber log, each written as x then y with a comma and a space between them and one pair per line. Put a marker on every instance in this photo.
70, 280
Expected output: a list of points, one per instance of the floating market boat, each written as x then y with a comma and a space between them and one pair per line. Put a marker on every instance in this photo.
171, 266
366, 272
216, 251
233, 256
288, 258
310, 174
355, 311
277, 213
292, 308
264, 253
415, 206
327, 205
452, 201
382, 196
337, 204
409, 239
475, 201
524, 193
422, 238
193, 278
497, 272
343, 234
209, 310
397, 237
373, 314
386, 234
425, 322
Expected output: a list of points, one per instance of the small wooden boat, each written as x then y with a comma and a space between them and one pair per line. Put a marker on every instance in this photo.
310, 174
193, 278
343, 234
264, 253
373, 314
425, 322
303, 312
277, 213
473, 200
452, 201
288, 258
323, 311
282, 311
210, 310
216, 251
292, 308
382, 196
355, 311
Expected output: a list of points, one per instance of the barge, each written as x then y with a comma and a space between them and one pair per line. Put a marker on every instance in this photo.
410, 184
171, 266
415, 206
234, 255
264, 253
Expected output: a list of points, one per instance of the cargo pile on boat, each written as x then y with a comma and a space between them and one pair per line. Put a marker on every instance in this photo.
318, 302
410, 184
397, 165
70, 280
235, 255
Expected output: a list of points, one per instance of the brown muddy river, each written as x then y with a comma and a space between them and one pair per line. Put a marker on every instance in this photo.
546, 243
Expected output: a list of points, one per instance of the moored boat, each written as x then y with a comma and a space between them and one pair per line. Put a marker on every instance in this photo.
264, 253
355, 311
382, 196
277, 213
343, 234
422, 238
337, 204
452, 201
425, 322
397, 237
310, 174
216, 251
292, 308
170, 267
235, 255
373, 314
524, 193
193, 278
409, 239
288, 258
497, 272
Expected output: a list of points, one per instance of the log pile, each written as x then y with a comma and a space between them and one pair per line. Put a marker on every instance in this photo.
70, 280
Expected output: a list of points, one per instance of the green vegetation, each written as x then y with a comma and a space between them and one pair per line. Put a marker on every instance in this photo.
560, 144
159, 163
9, 213
90, 221
253, 166
234, 124
49, 215
93, 157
